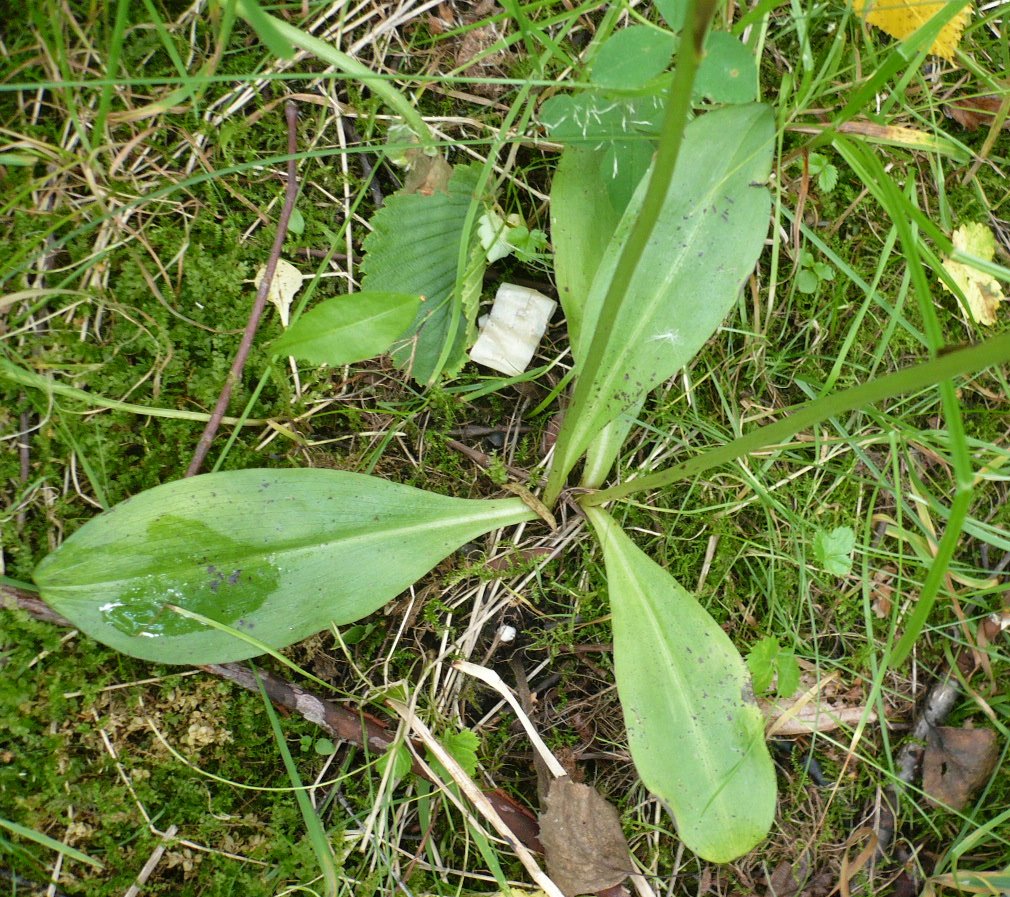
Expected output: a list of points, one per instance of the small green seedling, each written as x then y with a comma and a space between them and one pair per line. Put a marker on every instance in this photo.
812, 273
768, 662
833, 550
825, 173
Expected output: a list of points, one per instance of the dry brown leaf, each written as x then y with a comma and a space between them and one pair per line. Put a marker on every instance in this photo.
286, 282
427, 174
584, 843
819, 706
973, 113
957, 763
882, 591
521, 822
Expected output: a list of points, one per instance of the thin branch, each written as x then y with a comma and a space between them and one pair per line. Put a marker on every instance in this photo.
235, 374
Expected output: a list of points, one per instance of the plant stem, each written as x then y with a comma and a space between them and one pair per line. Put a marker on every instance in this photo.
678, 106
235, 374
49, 386
955, 364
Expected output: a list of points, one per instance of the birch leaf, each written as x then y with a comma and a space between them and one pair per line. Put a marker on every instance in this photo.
982, 292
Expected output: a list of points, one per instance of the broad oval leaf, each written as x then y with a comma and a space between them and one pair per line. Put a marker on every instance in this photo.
706, 241
728, 73
276, 554
632, 57
349, 328
695, 732
583, 220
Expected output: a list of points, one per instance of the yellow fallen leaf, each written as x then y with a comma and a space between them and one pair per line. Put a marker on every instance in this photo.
287, 281
900, 18
982, 292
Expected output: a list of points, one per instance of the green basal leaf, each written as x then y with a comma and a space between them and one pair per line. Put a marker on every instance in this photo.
583, 220
706, 241
632, 57
728, 73
606, 446
672, 12
597, 117
624, 164
696, 735
414, 248
349, 328
276, 554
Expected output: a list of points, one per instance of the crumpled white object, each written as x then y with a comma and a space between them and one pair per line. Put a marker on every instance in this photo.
510, 334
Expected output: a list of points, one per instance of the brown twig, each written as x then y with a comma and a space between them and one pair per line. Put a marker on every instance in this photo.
235, 374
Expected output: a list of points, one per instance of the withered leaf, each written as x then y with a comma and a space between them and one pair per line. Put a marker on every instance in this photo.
427, 174
972, 113
957, 762
521, 822
584, 844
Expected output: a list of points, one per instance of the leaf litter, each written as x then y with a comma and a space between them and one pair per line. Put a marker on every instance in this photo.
584, 843
957, 763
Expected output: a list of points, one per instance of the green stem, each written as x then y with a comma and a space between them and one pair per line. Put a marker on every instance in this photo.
379, 85
50, 387
699, 14
955, 364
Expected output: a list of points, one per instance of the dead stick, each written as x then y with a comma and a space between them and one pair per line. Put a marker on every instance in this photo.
235, 374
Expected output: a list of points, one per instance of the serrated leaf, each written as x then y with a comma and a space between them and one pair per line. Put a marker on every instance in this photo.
276, 554
833, 550
632, 57
788, 674
462, 747
706, 241
695, 733
414, 248
761, 663
982, 292
728, 73
398, 755
349, 328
